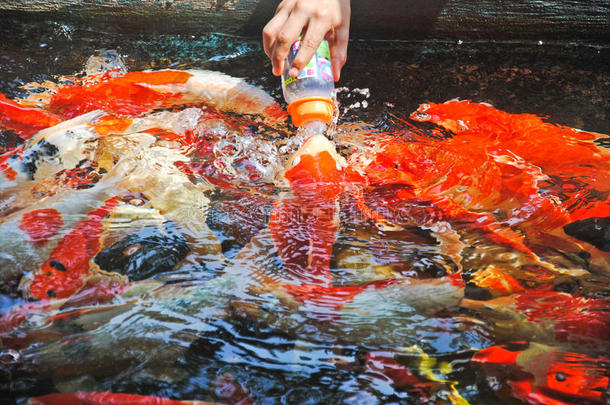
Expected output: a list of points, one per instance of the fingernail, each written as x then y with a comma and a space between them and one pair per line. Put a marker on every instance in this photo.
293, 72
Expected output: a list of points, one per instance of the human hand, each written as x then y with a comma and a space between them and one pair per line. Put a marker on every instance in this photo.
315, 20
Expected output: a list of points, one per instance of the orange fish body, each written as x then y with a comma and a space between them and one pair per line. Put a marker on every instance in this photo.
554, 316
564, 153
304, 226
23, 120
540, 374
67, 269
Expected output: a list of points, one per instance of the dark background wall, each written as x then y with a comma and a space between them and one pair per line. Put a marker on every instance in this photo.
378, 19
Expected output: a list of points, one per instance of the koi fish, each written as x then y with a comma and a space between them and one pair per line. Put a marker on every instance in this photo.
401, 197
150, 172
540, 374
138, 93
418, 380
106, 342
107, 398
360, 308
51, 150
67, 270
23, 120
154, 246
501, 191
562, 153
385, 369
170, 191
549, 315
44, 322
133, 93
304, 226
29, 235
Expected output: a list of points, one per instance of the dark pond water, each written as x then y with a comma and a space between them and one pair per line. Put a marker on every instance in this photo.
208, 325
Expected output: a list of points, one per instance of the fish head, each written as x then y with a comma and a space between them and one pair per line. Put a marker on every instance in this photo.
453, 115
316, 169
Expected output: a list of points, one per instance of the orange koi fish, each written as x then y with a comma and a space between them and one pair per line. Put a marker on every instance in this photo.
107, 398
539, 374
23, 120
304, 226
398, 196
67, 269
562, 153
478, 180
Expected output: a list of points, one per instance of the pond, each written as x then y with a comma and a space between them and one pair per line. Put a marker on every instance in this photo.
460, 259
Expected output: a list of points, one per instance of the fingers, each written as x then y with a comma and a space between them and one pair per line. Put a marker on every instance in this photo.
338, 51
274, 25
339, 40
288, 33
309, 45
316, 19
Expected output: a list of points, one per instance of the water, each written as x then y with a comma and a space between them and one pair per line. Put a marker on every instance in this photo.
205, 319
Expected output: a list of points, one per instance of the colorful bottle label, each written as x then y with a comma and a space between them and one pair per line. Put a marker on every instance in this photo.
318, 66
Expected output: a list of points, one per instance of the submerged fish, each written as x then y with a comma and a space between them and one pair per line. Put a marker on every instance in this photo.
572, 167
539, 374
303, 226
67, 269
154, 171
547, 316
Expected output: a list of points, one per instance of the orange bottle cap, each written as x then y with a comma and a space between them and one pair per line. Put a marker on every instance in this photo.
311, 108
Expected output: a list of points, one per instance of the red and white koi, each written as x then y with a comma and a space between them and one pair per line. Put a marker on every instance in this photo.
138, 93
67, 269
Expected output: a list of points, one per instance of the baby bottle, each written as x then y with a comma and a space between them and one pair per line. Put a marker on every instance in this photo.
309, 95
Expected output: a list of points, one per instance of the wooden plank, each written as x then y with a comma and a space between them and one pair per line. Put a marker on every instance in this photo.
379, 19
493, 19
226, 16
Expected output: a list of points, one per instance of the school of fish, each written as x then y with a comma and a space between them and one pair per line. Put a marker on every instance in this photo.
120, 201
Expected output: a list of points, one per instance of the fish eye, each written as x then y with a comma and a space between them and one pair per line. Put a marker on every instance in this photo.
423, 116
561, 377
424, 107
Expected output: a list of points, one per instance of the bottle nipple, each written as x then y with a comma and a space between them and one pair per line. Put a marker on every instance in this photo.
311, 109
